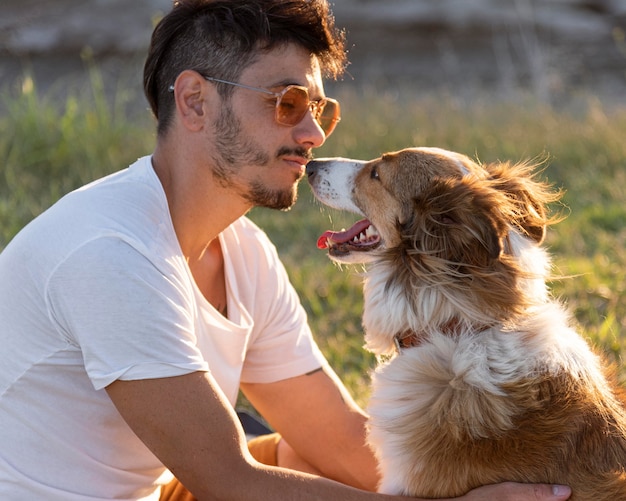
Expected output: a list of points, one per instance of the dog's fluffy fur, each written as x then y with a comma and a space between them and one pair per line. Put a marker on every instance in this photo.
492, 384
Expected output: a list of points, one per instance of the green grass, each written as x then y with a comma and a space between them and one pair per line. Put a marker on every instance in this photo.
48, 147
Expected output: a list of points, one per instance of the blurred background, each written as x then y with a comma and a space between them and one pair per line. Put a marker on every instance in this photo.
552, 48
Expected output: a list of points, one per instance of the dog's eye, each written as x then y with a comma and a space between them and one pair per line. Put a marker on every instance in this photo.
374, 173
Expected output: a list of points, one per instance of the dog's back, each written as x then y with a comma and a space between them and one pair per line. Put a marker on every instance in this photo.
456, 413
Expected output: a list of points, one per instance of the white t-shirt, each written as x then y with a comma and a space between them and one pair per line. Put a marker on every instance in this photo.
96, 289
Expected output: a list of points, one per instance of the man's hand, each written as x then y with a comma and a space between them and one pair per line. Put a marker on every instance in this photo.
510, 491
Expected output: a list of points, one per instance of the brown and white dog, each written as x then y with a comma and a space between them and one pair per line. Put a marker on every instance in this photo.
483, 379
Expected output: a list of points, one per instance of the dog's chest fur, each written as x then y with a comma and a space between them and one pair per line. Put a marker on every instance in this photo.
458, 412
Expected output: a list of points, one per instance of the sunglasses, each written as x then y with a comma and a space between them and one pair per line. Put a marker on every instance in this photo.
293, 102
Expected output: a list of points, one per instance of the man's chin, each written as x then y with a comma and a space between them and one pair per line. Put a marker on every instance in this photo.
273, 199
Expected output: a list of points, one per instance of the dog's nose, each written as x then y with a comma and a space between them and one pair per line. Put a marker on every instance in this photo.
311, 168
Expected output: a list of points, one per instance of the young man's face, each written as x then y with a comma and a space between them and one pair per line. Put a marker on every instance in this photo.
260, 158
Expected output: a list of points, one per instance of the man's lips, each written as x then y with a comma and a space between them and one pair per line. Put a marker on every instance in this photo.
299, 161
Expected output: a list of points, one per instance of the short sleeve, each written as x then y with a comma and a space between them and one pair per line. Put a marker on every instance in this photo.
131, 317
282, 345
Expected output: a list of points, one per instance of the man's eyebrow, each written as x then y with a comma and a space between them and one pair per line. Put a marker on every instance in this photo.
285, 83
313, 95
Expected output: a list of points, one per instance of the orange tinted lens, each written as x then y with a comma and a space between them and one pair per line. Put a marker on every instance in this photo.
328, 114
292, 105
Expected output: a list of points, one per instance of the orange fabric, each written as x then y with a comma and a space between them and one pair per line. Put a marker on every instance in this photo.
263, 448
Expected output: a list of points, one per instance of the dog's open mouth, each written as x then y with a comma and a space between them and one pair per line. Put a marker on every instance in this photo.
361, 237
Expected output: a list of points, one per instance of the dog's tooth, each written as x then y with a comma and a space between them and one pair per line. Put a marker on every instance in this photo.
370, 233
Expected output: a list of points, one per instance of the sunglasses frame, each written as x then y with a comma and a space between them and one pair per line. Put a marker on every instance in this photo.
316, 107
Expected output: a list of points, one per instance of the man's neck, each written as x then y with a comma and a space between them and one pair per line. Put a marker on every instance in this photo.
199, 206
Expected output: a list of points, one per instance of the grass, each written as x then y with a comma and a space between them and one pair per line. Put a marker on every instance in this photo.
47, 148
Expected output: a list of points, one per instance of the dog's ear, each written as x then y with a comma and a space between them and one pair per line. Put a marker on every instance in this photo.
456, 242
459, 222
528, 195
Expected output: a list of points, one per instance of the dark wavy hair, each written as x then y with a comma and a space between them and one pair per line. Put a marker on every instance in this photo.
222, 37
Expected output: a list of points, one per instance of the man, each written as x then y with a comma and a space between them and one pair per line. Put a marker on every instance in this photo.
133, 310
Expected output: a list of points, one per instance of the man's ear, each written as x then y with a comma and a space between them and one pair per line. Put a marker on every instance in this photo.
190, 95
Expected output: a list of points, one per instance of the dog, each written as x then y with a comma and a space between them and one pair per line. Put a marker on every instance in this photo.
482, 377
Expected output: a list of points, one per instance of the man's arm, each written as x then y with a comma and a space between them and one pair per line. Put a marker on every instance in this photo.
326, 428
189, 425
318, 418
193, 430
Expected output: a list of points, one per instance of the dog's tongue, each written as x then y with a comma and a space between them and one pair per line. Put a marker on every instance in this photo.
340, 237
